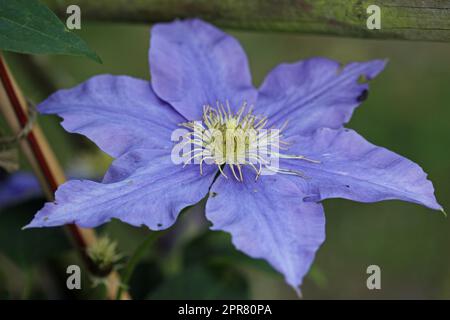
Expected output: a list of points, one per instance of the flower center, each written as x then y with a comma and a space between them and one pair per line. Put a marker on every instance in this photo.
237, 139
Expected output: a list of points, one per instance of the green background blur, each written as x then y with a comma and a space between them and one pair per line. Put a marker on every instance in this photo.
408, 111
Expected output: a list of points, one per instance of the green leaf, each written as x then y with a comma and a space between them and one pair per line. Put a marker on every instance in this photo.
28, 26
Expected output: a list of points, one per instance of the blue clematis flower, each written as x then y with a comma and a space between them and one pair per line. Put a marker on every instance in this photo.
17, 187
200, 78
21, 186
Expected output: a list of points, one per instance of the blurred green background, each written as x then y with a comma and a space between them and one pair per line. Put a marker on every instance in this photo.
408, 111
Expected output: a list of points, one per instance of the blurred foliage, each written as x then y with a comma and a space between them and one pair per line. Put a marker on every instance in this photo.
28, 247
199, 282
24, 253
407, 112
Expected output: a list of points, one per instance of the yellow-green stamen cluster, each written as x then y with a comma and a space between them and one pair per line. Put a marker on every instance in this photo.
241, 139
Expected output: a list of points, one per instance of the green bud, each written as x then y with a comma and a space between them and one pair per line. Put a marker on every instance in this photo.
104, 256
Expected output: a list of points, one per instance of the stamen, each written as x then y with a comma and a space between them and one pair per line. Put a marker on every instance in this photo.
237, 140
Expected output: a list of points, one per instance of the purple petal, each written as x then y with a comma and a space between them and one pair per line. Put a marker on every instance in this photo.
314, 93
193, 63
268, 219
152, 195
355, 169
116, 112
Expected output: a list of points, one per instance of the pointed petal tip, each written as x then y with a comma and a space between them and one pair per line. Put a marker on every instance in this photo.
382, 65
28, 226
38, 221
384, 62
378, 65
296, 286
31, 225
434, 205
298, 292
42, 107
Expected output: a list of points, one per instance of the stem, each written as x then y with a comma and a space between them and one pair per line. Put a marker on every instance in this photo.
400, 19
44, 163
28, 272
137, 255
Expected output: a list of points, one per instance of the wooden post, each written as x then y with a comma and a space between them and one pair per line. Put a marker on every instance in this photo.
427, 20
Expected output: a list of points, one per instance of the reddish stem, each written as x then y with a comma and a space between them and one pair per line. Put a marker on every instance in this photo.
23, 119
